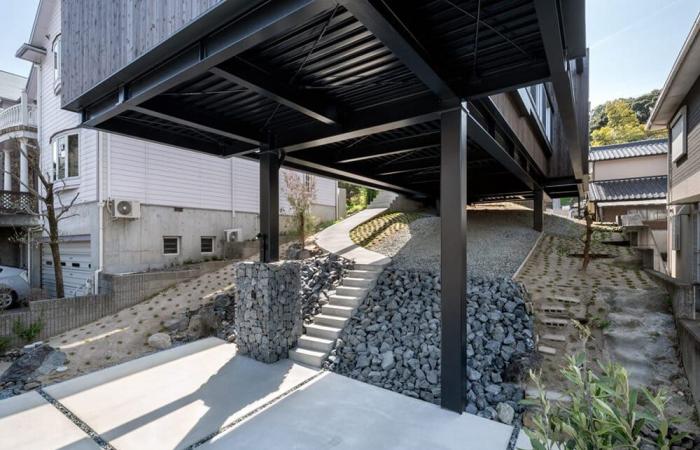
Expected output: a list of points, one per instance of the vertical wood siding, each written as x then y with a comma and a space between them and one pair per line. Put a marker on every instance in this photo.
105, 35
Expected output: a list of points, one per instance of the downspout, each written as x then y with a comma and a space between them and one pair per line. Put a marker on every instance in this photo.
100, 213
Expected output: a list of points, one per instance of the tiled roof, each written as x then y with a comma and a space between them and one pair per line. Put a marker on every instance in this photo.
629, 150
643, 188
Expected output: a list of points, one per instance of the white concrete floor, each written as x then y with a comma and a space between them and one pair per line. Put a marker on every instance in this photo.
28, 422
178, 397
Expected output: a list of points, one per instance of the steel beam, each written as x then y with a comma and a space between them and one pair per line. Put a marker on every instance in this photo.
251, 29
331, 172
483, 139
553, 41
269, 203
538, 210
396, 147
416, 61
370, 121
453, 259
175, 113
308, 103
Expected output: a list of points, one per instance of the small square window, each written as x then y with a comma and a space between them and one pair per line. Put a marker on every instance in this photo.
171, 245
207, 244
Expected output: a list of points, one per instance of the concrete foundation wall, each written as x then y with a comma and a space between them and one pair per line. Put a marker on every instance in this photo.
689, 344
137, 245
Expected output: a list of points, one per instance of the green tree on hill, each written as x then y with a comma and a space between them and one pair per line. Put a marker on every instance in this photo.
618, 122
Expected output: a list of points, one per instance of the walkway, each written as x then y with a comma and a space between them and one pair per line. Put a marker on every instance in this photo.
204, 394
336, 239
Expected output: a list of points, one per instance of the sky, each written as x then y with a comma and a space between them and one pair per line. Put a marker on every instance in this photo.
633, 43
16, 26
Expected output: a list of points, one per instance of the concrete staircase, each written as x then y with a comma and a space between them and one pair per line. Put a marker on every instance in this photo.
314, 346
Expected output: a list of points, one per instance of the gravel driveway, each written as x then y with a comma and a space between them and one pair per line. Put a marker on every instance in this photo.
497, 241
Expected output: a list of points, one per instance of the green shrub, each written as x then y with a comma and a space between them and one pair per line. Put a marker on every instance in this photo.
604, 412
4, 344
27, 333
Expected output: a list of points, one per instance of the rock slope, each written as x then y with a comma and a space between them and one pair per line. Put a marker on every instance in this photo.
393, 340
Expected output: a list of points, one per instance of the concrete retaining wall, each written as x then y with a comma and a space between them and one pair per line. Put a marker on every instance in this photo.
689, 344
58, 315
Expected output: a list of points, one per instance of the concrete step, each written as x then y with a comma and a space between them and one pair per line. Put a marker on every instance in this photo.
554, 310
369, 268
308, 357
358, 282
345, 300
355, 273
351, 291
337, 310
331, 321
555, 322
546, 350
316, 344
553, 337
323, 331
563, 299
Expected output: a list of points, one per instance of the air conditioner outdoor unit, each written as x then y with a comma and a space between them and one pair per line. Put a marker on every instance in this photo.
126, 209
232, 235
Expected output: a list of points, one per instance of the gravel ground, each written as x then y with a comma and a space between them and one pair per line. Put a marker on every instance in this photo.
497, 241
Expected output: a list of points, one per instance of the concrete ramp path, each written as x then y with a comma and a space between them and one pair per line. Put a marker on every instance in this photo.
336, 239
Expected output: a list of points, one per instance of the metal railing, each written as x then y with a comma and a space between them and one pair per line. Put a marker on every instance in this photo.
18, 115
12, 202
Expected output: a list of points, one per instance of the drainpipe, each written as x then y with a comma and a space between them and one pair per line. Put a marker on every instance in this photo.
100, 214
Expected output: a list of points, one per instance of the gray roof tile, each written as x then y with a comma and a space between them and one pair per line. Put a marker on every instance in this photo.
643, 188
629, 150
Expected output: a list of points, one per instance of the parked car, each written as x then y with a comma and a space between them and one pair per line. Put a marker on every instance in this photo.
14, 286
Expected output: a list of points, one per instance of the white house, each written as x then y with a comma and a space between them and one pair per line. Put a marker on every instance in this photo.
180, 202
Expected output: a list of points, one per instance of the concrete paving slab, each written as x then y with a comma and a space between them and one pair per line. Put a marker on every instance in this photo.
174, 398
29, 422
340, 413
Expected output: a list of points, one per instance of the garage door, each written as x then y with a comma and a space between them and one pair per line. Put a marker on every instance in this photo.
77, 269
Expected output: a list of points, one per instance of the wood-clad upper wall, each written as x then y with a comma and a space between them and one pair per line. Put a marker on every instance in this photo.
102, 36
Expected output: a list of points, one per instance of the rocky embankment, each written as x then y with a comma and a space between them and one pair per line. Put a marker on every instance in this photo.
393, 341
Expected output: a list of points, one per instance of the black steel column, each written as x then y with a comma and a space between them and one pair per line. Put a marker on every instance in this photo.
453, 258
269, 203
538, 210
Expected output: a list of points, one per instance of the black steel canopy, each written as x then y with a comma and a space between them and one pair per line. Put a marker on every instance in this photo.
352, 89
388, 93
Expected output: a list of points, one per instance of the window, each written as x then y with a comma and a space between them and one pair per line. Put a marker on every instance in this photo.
171, 245
56, 50
207, 244
678, 144
66, 156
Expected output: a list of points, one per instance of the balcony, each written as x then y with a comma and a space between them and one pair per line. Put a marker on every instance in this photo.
18, 117
12, 202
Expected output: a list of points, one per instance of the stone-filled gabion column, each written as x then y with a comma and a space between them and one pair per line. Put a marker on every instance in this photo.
268, 317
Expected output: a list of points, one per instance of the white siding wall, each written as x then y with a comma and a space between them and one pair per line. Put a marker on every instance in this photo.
614, 169
156, 174
52, 120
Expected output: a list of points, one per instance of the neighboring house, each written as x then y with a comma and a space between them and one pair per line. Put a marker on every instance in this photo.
678, 111
628, 187
140, 205
17, 139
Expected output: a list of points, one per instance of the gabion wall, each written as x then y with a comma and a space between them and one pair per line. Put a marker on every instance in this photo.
268, 319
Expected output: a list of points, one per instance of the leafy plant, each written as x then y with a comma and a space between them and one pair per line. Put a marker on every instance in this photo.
604, 411
27, 333
4, 344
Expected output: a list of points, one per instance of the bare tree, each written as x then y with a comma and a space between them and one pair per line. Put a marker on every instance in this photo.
53, 212
301, 191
